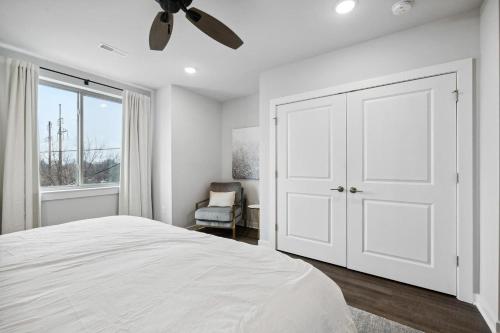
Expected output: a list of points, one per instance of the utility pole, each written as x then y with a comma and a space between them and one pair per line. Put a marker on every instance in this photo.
50, 147
60, 134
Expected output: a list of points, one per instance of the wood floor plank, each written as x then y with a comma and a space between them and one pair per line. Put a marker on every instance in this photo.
419, 308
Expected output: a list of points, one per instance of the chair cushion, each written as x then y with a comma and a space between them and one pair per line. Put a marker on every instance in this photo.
221, 199
229, 187
219, 214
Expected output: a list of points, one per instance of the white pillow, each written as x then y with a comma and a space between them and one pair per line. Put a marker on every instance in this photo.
221, 199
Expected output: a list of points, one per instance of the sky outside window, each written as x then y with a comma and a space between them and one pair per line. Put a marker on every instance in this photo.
102, 139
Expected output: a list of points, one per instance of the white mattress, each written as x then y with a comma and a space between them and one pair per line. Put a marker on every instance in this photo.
128, 274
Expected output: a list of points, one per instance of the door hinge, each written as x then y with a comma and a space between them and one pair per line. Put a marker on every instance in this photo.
275, 120
458, 178
276, 174
276, 227
458, 261
456, 92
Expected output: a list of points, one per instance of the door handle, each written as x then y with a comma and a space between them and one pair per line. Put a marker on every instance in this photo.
354, 190
339, 188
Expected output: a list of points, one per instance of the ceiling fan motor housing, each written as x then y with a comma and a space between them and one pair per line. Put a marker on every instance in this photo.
173, 6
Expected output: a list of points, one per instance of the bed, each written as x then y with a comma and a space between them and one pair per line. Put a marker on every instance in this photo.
129, 274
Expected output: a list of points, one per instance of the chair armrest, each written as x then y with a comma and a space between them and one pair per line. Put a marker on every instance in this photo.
235, 207
202, 203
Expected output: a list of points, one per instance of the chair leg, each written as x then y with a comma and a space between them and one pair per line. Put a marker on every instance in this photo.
234, 222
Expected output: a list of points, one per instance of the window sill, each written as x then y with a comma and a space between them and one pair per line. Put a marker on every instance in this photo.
48, 194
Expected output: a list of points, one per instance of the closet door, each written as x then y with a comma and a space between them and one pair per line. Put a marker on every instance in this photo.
311, 162
401, 144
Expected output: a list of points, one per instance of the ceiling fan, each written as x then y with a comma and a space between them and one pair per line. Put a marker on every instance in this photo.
163, 24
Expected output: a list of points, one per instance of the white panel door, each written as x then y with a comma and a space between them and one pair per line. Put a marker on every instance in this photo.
401, 144
311, 162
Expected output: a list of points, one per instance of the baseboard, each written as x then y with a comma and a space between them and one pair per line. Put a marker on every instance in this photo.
487, 314
265, 243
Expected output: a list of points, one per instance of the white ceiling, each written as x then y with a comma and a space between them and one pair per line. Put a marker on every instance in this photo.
275, 32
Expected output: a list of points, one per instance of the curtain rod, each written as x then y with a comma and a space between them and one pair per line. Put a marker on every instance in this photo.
85, 81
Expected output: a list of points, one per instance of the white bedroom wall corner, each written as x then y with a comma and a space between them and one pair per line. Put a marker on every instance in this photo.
162, 155
264, 158
489, 164
239, 113
236, 113
196, 151
487, 313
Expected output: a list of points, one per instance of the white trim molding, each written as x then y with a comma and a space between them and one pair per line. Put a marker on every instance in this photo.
464, 70
62, 193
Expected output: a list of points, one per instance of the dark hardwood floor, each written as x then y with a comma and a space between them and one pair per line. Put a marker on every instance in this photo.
419, 308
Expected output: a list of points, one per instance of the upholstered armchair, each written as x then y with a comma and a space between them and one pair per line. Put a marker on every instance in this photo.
221, 217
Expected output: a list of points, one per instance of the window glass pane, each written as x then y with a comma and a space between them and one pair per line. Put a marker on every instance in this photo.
58, 136
102, 132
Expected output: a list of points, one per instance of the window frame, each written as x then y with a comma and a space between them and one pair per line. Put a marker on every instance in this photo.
81, 93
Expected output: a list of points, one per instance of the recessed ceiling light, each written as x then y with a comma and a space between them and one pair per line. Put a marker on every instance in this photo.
190, 70
103, 105
345, 6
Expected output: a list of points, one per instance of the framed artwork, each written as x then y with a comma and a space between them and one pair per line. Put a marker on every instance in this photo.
246, 153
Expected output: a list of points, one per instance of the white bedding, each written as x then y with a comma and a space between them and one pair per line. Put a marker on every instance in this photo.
128, 274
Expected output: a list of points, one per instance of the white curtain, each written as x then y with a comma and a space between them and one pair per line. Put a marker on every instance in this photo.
135, 172
20, 184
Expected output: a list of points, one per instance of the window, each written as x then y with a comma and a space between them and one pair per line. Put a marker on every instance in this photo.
80, 136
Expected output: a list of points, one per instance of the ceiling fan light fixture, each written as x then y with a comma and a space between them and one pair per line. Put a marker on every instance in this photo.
190, 70
345, 6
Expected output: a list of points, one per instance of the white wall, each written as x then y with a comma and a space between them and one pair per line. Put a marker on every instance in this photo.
196, 151
67, 210
438, 42
489, 139
3, 124
239, 113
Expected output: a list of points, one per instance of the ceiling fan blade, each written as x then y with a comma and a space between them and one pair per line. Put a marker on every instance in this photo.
213, 28
161, 30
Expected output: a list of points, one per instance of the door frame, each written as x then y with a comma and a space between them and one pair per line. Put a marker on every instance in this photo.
466, 203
